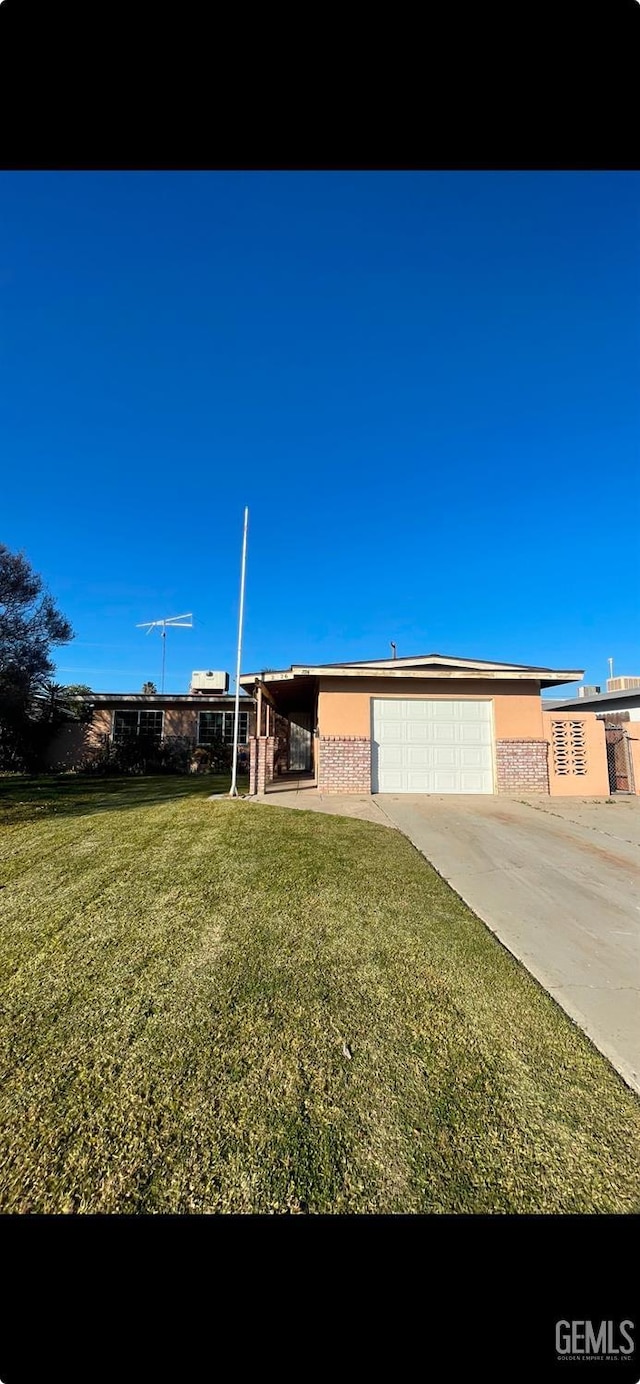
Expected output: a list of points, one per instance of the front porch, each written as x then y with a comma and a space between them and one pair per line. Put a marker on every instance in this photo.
292, 782
283, 752
301, 791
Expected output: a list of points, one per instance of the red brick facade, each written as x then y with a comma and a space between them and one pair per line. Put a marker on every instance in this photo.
261, 753
345, 764
522, 766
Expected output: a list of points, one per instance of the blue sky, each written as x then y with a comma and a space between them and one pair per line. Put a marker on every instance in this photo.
424, 385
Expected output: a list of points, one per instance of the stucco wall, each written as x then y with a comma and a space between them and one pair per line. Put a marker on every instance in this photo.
344, 704
100, 725
73, 742
180, 720
595, 781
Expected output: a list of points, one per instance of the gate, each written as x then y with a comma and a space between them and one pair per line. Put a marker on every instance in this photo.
300, 741
619, 761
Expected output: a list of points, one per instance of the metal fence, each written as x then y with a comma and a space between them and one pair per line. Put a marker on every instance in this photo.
619, 760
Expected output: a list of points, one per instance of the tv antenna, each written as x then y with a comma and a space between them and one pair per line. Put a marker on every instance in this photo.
180, 622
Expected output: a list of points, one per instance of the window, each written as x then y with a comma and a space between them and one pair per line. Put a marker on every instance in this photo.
212, 724
569, 747
129, 724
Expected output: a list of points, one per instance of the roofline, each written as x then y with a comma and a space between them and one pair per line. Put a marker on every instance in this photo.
413, 659
397, 668
600, 697
189, 698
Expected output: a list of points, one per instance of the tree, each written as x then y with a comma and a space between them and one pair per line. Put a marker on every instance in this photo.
51, 708
54, 705
78, 696
149, 687
30, 626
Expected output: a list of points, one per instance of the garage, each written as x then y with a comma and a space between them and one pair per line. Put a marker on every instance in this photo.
432, 746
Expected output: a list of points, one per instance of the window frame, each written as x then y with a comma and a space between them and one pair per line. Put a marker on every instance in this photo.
137, 712
227, 714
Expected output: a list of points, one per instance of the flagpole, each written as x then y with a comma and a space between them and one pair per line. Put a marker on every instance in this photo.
233, 791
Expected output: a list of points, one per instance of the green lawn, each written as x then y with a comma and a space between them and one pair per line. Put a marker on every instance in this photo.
179, 977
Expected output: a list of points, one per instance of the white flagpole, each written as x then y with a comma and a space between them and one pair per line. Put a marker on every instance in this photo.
233, 791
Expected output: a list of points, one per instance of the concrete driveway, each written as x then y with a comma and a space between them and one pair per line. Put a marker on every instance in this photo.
558, 881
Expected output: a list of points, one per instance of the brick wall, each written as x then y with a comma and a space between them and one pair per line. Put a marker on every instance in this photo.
345, 764
253, 764
265, 759
522, 766
261, 753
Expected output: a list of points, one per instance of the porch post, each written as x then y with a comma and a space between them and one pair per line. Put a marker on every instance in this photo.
253, 765
261, 764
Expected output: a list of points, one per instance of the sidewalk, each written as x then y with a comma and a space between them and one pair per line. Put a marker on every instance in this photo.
306, 797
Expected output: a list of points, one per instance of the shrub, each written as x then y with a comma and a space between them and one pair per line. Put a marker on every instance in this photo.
174, 755
139, 755
220, 756
144, 755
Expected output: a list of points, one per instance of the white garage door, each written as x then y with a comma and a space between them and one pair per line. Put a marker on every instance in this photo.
432, 747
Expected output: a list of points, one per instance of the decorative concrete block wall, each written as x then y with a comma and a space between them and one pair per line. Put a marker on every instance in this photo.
345, 764
261, 753
522, 766
577, 754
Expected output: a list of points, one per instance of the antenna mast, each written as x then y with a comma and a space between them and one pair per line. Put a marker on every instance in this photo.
181, 622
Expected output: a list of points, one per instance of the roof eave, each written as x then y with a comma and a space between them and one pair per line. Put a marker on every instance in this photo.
557, 679
183, 698
546, 677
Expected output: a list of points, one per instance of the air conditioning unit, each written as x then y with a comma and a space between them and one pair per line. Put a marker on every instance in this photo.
622, 684
592, 691
209, 682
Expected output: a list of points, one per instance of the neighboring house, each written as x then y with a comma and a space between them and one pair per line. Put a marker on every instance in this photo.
428, 724
619, 711
198, 717
625, 703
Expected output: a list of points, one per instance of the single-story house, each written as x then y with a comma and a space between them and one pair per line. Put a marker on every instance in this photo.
197, 717
623, 704
433, 723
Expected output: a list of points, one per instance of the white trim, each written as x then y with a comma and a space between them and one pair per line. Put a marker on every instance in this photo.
425, 672
434, 660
